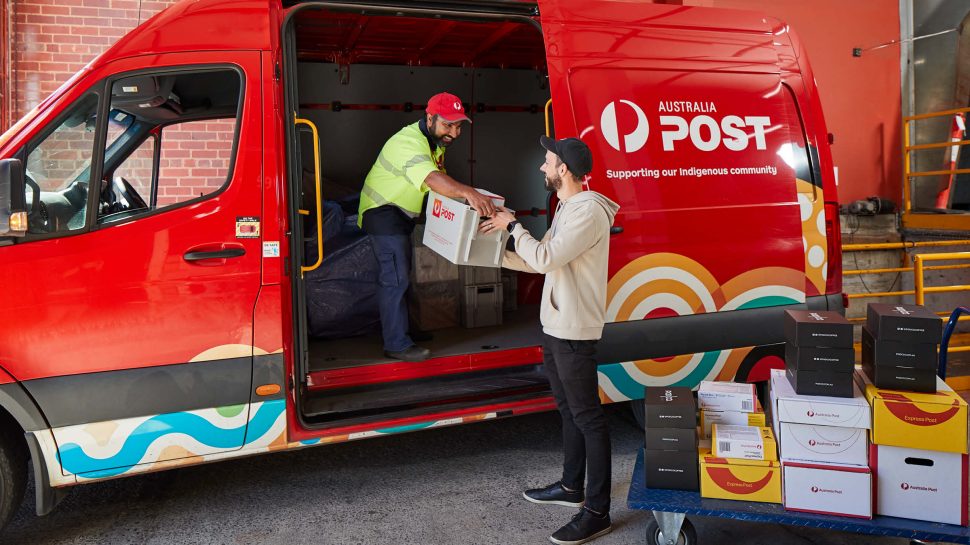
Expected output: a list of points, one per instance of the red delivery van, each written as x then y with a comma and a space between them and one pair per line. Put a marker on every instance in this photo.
167, 221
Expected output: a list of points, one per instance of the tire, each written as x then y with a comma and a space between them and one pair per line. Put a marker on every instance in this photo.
688, 536
13, 475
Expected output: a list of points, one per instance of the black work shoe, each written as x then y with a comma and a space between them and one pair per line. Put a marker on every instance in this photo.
555, 494
411, 353
585, 526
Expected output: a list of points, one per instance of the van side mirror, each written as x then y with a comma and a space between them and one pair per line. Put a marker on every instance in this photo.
13, 207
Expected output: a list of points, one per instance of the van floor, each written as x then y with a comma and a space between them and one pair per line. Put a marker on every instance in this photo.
520, 329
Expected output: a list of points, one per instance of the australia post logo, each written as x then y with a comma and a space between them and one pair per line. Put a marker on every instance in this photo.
707, 131
438, 210
907, 486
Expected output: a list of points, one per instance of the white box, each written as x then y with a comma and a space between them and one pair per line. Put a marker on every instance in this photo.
828, 489
787, 406
451, 230
743, 442
732, 418
920, 484
726, 396
823, 444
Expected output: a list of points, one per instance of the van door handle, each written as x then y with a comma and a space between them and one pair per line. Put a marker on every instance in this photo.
217, 254
616, 230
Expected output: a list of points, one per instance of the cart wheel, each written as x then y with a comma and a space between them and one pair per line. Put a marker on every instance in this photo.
688, 536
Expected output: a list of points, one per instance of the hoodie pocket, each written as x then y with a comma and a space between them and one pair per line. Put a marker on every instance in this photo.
552, 299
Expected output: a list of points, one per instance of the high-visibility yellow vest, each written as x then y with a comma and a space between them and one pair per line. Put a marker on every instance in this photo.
397, 177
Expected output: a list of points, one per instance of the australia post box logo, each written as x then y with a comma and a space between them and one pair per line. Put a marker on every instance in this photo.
681, 126
438, 210
704, 128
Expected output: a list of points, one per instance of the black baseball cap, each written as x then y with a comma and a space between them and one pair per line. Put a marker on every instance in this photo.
573, 151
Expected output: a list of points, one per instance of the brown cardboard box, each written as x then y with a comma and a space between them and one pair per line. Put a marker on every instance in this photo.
434, 305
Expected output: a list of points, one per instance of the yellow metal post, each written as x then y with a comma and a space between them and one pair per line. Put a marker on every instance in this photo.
317, 184
918, 278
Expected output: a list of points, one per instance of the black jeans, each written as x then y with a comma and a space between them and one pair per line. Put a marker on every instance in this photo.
571, 368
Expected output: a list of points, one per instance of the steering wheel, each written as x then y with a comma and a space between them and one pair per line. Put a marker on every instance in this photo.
130, 194
120, 200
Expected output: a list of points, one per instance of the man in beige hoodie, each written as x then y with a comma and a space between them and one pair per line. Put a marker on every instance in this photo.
573, 255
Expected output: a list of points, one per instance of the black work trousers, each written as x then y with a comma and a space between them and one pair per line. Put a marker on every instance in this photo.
571, 368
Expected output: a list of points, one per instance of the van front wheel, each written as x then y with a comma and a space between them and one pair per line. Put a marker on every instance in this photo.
13, 474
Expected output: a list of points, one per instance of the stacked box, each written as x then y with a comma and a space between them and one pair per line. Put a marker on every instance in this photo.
510, 290
734, 418
752, 472
819, 356
476, 276
739, 479
899, 347
726, 396
919, 452
744, 442
670, 453
824, 450
434, 298
481, 306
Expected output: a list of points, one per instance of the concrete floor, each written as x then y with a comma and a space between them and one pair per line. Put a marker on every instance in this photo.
445, 486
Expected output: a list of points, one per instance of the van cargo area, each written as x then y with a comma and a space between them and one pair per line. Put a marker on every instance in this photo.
363, 76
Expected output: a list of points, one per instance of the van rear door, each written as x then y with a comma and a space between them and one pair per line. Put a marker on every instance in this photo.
697, 139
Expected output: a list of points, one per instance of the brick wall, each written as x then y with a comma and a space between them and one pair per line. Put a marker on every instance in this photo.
54, 39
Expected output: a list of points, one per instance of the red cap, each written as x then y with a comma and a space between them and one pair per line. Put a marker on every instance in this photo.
448, 107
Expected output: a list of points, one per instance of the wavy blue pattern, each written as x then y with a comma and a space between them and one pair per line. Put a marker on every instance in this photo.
410, 427
769, 301
74, 460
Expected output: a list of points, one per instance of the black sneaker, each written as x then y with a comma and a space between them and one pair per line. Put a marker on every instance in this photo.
555, 494
411, 353
585, 526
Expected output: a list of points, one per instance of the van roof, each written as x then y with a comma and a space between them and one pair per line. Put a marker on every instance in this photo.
212, 25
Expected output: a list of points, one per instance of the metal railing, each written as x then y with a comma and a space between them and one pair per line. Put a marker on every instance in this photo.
929, 221
918, 269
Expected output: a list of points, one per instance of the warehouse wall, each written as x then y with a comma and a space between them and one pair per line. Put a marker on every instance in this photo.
860, 95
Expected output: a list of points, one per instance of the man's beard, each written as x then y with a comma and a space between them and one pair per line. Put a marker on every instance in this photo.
440, 142
553, 184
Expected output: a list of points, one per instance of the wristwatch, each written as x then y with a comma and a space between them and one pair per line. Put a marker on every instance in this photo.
512, 225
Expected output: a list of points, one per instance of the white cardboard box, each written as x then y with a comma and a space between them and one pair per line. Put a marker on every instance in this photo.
920, 484
451, 230
726, 396
743, 442
731, 418
787, 406
823, 444
828, 489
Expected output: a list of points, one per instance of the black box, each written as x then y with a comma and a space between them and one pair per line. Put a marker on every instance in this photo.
817, 328
672, 407
906, 323
878, 352
901, 378
670, 469
682, 439
814, 358
820, 383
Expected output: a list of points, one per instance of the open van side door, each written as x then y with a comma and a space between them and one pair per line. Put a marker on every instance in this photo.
695, 136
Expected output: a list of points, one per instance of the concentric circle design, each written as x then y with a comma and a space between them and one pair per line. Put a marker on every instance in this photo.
673, 285
813, 235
